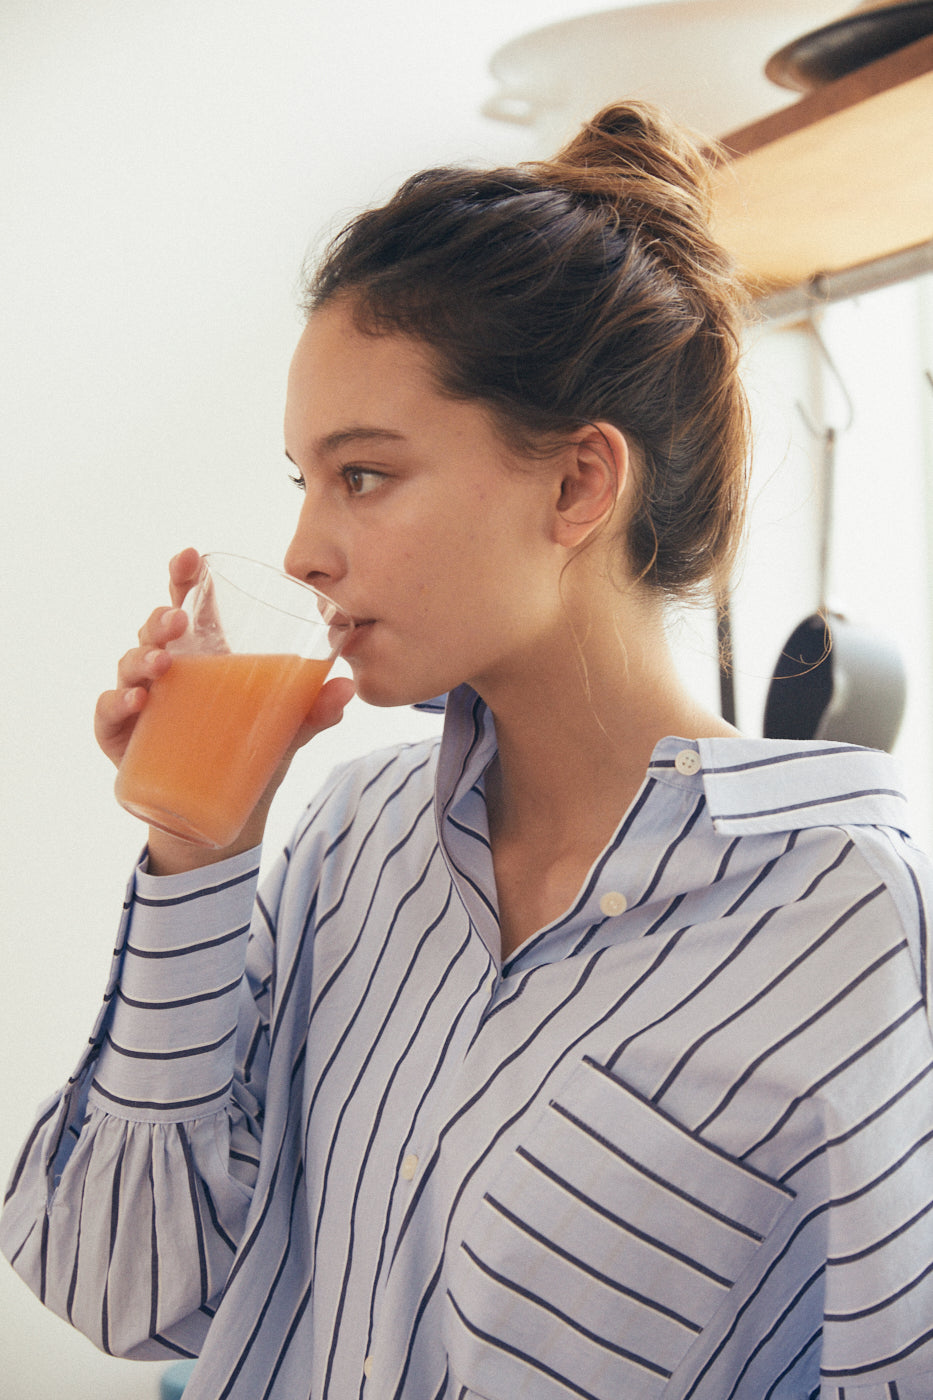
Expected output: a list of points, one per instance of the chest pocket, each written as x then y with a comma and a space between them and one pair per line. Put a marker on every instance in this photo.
601, 1251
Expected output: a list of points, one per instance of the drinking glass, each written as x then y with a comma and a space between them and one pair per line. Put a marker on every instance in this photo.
244, 674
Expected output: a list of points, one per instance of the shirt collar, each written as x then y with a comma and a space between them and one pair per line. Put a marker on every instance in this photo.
762, 785
751, 787
769, 785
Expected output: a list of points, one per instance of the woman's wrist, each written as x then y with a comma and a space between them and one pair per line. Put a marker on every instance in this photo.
170, 855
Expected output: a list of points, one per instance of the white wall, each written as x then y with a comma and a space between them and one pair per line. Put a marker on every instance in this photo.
164, 167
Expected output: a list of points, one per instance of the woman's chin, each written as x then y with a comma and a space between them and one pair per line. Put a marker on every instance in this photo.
382, 691
376, 687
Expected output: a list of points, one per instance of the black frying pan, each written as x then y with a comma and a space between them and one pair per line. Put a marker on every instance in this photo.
834, 680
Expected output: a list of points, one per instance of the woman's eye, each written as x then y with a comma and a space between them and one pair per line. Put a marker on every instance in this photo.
360, 480
298, 480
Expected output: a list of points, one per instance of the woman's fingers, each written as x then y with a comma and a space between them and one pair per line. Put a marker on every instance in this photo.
143, 665
161, 627
114, 718
117, 710
183, 573
326, 711
330, 704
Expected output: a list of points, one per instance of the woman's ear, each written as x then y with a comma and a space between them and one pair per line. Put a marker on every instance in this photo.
595, 474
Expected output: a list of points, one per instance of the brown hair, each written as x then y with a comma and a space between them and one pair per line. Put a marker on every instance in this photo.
575, 290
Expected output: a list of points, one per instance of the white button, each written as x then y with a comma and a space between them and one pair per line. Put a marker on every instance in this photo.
368, 1367
613, 903
409, 1167
688, 761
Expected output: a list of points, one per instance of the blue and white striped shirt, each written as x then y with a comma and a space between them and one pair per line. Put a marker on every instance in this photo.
680, 1144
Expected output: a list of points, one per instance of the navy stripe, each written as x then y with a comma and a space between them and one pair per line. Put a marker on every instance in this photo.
385, 1242
189, 948
532, 1361
170, 1054
536, 1299
859, 1255
796, 756
811, 802
892, 1359
672, 850
27, 1150
742, 1010
469, 832
114, 1220
255, 1331
334, 1055
175, 1002
626, 1226
663, 1182
653, 1304
790, 1035
153, 1259
857, 1314
158, 1105
172, 901
814, 1089
380, 1111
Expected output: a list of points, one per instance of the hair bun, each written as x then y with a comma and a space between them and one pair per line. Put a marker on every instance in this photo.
637, 140
633, 157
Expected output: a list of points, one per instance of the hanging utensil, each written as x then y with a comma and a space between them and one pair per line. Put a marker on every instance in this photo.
833, 679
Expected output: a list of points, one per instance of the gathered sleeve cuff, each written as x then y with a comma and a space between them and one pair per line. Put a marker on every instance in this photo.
167, 1049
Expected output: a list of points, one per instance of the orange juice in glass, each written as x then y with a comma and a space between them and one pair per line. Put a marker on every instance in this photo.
244, 674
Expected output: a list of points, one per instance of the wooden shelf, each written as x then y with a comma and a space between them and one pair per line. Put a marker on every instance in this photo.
840, 178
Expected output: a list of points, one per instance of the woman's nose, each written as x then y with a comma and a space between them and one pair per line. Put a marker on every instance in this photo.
313, 555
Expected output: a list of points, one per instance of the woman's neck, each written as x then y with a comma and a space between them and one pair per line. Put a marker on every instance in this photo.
574, 743
577, 735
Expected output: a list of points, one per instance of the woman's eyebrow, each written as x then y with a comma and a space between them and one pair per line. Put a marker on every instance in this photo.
343, 437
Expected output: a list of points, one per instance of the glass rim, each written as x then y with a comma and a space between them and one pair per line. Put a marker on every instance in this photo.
343, 620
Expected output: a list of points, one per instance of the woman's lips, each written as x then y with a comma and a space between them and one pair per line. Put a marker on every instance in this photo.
359, 628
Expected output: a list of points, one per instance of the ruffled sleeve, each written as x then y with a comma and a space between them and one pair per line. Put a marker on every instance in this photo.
127, 1201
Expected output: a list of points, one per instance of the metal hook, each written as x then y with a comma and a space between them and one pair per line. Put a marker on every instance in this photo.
828, 436
834, 371
814, 429
811, 427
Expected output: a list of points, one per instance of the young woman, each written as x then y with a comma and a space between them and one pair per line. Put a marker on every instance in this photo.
584, 1053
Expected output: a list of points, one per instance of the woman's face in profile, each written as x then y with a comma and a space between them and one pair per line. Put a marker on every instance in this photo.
417, 519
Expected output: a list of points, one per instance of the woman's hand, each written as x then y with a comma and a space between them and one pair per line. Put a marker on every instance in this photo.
118, 710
